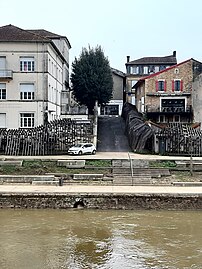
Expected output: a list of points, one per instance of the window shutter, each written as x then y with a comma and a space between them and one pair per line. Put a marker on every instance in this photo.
165, 85
173, 85
181, 85
157, 85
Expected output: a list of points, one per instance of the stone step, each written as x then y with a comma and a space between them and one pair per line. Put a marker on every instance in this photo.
46, 182
11, 162
25, 178
187, 184
154, 172
128, 180
71, 163
88, 176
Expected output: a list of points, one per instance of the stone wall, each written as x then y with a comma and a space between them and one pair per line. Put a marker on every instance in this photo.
102, 201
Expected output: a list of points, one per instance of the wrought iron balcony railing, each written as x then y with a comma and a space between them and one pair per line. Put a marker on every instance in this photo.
171, 109
6, 74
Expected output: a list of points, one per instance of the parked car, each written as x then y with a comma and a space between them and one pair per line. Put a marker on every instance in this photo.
82, 148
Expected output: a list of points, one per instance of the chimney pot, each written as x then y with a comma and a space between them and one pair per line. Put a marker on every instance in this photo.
174, 53
128, 59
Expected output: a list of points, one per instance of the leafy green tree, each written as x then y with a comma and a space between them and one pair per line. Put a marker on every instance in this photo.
91, 78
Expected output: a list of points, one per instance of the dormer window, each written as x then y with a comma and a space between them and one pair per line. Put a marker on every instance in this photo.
145, 70
135, 70
162, 67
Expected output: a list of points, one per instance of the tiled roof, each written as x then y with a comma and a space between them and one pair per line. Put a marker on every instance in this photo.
162, 71
44, 33
13, 33
154, 60
118, 72
48, 35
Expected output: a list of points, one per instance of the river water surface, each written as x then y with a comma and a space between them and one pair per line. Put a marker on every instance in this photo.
75, 239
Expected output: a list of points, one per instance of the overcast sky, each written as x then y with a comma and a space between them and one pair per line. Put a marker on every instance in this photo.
137, 28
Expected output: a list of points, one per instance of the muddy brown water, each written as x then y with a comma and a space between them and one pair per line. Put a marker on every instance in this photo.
75, 239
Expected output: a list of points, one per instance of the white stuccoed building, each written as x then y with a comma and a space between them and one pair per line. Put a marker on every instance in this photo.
34, 77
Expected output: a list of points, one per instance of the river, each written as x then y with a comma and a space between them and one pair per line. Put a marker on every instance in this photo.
78, 239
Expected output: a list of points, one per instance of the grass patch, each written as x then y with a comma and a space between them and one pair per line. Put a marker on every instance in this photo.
162, 164
43, 167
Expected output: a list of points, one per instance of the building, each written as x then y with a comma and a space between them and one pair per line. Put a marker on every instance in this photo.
166, 96
145, 66
197, 98
34, 77
115, 105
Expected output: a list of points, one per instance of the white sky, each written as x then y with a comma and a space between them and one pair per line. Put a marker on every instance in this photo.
137, 28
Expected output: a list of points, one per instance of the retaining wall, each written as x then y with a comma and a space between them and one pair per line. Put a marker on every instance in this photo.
102, 201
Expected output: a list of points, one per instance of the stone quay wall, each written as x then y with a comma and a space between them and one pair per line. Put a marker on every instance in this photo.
101, 201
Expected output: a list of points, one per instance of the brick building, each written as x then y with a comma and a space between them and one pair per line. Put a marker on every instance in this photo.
166, 96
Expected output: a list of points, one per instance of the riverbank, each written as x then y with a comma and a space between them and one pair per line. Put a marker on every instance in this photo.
101, 197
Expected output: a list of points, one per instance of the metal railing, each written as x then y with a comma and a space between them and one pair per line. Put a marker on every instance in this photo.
6, 74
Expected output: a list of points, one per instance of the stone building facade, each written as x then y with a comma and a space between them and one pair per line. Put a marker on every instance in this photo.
166, 96
142, 67
34, 77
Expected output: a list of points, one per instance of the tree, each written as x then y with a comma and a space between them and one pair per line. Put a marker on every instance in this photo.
92, 78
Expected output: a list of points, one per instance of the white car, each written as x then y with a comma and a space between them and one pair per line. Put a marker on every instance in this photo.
82, 148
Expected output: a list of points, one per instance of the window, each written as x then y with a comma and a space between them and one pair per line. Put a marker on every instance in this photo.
135, 69
177, 85
163, 118
2, 120
176, 118
162, 67
27, 64
160, 85
26, 120
27, 91
133, 82
2, 91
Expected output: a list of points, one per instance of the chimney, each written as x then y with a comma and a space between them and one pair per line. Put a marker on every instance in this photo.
128, 59
174, 53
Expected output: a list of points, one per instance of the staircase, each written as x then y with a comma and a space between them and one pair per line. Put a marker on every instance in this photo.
139, 176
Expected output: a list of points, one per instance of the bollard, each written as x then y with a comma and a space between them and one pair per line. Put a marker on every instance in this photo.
60, 181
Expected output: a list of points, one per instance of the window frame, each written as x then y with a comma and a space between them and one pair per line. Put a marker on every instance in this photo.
177, 85
29, 94
2, 91
27, 64
27, 121
161, 85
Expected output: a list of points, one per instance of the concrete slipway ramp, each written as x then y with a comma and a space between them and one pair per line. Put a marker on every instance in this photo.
111, 136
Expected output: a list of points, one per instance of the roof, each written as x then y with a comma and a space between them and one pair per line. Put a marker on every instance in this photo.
12, 33
155, 60
118, 72
162, 71
48, 34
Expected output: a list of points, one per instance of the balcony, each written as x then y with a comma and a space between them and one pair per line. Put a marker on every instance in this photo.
169, 109
6, 74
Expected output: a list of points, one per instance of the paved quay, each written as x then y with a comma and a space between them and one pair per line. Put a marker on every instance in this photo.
89, 189
98, 189
100, 156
